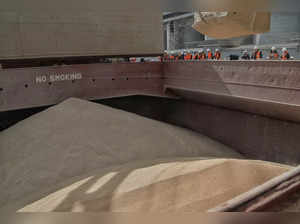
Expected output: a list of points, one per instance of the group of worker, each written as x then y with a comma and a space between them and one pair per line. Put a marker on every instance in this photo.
193, 55
257, 54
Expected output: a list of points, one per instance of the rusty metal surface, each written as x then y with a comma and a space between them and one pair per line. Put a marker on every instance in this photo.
32, 87
277, 81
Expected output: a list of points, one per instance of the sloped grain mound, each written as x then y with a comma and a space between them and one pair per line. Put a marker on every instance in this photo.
78, 136
186, 186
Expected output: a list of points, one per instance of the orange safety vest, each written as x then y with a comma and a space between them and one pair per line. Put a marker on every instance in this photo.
258, 55
284, 56
274, 55
188, 57
209, 55
218, 55
172, 57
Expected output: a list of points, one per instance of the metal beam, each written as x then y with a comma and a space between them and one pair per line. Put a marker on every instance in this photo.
249, 105
187, 15
234, 203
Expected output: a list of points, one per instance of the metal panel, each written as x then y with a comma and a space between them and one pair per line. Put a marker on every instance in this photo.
256, 137
262, 80
34, 29
32, 87
268, 88
233, 84
255, 106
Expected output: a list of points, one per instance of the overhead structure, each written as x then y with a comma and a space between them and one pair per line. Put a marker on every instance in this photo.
222, 25
36, 29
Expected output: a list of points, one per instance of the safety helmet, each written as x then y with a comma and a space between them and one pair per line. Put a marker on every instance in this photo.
245, 51
284, 49
217, 49
208, 49
201, 50
255, 48
273, 48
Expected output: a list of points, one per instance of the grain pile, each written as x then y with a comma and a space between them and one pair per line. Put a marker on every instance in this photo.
185, 186
69, 140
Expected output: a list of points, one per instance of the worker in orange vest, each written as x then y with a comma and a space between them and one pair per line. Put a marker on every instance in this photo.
209, 54
285, 54
217, 54
187, 56
202, 55
257, 54
190, 55
273, 54
196, 56
172, 57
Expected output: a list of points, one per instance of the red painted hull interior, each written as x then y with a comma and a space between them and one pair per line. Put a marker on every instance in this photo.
252, 107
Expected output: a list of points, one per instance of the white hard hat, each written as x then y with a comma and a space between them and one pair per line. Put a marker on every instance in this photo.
208, 49
255, 47
201, 50
245, 51
217, 49
273, 48
284, 49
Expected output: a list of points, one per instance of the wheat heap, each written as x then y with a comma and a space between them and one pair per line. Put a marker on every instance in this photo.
82, 156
